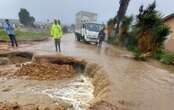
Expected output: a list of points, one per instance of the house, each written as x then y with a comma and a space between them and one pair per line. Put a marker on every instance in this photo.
169, 44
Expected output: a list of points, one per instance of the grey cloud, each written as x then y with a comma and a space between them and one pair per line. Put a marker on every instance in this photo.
66, 9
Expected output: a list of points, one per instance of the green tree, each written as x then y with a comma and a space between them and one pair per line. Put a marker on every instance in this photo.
124, 33
126, 23
110, 27
110, 22
25, 18
150, 29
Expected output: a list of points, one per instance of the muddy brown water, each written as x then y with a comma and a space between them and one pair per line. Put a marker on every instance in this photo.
72, 92
135, 85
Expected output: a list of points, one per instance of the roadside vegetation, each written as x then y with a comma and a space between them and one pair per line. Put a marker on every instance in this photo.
145, 37
29, 30
164, 57
25, 36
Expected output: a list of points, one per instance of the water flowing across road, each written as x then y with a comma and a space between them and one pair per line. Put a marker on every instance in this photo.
74, 94
135, 85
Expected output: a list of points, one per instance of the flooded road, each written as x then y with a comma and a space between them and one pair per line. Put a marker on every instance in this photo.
73, 94
135, 85
78, 92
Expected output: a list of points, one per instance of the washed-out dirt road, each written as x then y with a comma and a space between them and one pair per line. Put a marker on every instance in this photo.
134, 85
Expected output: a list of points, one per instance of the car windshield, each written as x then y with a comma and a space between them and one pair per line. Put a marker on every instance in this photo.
94, 27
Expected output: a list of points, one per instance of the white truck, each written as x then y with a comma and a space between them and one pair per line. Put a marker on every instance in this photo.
87, 29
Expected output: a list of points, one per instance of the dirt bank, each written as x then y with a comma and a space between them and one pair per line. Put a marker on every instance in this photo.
16, 106
135, 85
95, 72
58, 67
102, 91
77, 63
40, 67
102, 105
45, 71
7, 58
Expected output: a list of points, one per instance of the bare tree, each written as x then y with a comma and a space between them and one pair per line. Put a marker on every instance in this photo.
121, 13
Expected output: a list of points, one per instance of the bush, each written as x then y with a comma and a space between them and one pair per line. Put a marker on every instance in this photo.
150, 29
3, 35
158, 54
138, 55
130, 41
167, 58
112, 40
160, 34
164, 57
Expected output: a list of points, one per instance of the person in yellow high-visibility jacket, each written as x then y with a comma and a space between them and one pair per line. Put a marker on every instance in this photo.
57, 34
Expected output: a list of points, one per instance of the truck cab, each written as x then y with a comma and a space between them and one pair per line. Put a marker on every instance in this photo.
88, 32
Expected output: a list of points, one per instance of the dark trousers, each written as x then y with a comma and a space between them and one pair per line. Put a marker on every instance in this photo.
13, 40
100, 43
57, 44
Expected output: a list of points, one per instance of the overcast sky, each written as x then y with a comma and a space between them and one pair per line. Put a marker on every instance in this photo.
65, 10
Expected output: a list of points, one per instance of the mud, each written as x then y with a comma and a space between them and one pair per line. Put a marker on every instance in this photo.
72, 94
134, 85
103, 106
100, 81
77, 63
98, 76
41, 67
102, 87
81, 84
15, 57
45, 71
16, 106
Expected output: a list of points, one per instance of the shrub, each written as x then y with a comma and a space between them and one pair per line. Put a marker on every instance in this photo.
137, 53
164, 57
112, 40
3, 35
160, 34
167, 58
158, 54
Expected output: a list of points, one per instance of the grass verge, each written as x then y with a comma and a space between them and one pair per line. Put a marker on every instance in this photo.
25, 36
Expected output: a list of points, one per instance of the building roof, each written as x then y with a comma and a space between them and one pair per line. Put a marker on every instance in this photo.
171, 16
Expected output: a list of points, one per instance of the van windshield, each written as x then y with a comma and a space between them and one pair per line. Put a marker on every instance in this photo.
94, 27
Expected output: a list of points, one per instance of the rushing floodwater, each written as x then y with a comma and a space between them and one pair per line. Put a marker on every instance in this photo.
135, 85
76, 92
